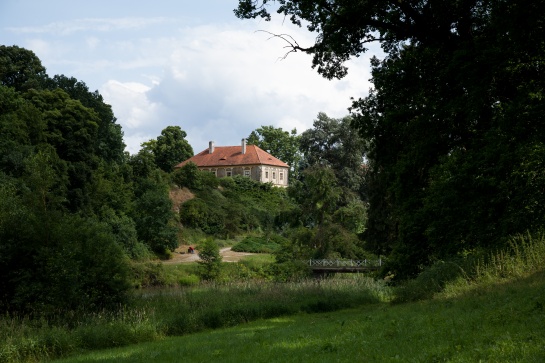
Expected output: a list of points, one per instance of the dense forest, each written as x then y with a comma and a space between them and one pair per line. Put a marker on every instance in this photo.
77, 212
455, 119
444, 158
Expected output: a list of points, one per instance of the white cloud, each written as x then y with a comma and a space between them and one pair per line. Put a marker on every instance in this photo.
92, 42
82, 25
220, 83
134, 112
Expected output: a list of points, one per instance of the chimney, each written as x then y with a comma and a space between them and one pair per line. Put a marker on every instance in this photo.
243, 146
211, 147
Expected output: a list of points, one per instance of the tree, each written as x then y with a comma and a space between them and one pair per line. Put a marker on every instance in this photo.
20, 69
454, 120
191, 177
154, 217
210, 259
143, 163
319, 193
109, 141
171, 148
333, 143
52, 261
71, 129
281, 144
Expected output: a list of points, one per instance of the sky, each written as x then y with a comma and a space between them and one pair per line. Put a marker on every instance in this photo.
184, 63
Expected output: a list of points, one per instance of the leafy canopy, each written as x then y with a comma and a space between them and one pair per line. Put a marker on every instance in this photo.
454, 122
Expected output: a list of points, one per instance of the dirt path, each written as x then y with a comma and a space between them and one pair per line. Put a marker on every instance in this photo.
180, 255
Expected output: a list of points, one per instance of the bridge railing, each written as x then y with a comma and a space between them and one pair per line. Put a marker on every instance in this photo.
345, 263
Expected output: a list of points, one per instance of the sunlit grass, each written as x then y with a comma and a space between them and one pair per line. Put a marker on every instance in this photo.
158, 313
503, 323
494, 314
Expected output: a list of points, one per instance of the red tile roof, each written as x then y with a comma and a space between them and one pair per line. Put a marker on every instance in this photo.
232, 156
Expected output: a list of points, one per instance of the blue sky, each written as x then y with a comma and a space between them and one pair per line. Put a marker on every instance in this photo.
187, 63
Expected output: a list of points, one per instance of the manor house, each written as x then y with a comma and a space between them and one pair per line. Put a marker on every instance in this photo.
248, 160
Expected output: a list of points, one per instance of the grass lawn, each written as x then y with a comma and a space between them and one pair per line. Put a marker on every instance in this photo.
494, 322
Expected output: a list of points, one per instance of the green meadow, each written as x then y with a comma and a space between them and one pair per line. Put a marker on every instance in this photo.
468, 310
489, 322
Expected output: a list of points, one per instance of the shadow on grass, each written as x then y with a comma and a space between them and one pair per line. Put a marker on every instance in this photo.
500, 322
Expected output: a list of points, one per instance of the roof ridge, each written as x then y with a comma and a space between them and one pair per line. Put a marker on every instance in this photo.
228, 156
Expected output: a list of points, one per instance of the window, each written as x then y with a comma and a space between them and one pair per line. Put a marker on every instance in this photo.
247, 172
214, 171
266, 175
229, 172
281, 176
274, 175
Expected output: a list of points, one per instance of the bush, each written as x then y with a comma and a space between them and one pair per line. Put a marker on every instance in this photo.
264, 244
432, 280
191, 177
154, 219
62, 262
196, 213
210, 259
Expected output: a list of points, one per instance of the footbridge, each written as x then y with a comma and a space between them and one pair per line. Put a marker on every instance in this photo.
344, 266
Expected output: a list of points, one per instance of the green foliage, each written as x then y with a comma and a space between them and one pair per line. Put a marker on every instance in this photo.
155, 275
73, 206
433, 280
154, 218
53, 264
171, 148
210, 259
263, 244
156, 313
524, 256
333, 143
124, 230
333, 241
499, 323
196, 213
143, 164
281, 144
20, 69
454, 119
241, 205
191, 177
353, 216
318, 194
109, 142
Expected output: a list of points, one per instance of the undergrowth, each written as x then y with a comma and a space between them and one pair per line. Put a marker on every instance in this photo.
156, 313
524, 255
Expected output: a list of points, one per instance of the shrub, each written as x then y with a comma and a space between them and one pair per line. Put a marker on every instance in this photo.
196, 213
76, 264
210, 259
191, 177
432, 280
525, 254
264, 244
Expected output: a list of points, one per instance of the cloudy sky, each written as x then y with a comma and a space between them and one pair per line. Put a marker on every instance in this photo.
182, 62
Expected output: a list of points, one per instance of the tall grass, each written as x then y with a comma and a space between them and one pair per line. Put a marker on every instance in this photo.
502, 323
32, 340
156, 313
182, 311
523, 255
